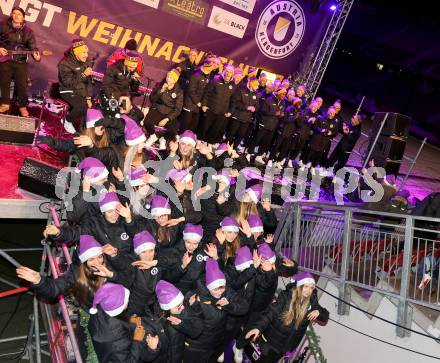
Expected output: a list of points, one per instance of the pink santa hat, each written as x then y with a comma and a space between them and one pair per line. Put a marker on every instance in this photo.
133, 132
213, 275
108, 201
221, 149
255, 192
193, 232
243, 258
168, 295
303, 278
113, 299
223, 175
267, 253
88, 247
135, 176
230, 224
188, 137
143, 241
160, 206
255, 223
92, 116
92, 168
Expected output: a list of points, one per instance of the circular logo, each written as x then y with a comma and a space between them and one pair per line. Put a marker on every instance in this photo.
280, 28
154, 271
124, 236
173, 95
230, 87
199, 258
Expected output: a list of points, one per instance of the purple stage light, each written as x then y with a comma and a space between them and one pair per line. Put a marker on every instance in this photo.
333, 7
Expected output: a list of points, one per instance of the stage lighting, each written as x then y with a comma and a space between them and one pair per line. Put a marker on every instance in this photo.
333, 7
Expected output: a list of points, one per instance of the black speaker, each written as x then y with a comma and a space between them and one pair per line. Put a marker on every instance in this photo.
387, 147
17, 130
395, 124
38, 177
390, 166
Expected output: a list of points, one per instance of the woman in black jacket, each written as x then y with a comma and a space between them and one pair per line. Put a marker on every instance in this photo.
182, 321
244, 105
116, 337
281, 328
166, 105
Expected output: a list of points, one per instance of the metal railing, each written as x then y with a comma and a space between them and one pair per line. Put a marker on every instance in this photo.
396, 255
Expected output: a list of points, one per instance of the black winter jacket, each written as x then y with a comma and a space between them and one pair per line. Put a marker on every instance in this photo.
241, 100
70, 77
17, 39
195, 90
281, 337
324, 129
214, 318
191, 327
169, 103
118, 81
113, 343
269, 107
218, 95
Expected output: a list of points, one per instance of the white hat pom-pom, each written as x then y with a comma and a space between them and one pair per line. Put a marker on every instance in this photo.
93, 311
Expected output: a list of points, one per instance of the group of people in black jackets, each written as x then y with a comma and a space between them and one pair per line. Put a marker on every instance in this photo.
274, 123
163, 279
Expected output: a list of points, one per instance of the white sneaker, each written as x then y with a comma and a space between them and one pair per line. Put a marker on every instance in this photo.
290, 164
259, 159
322, 172
312, 171
300, 164
308, 165
248, 158
151, 140
238, 354
221, 359
68, 126
162, 144
270, 163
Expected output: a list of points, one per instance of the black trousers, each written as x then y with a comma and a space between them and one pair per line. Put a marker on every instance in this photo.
153, 118
196, 356
338, 158
283, 145
237, 131
18, 71
263, 139
213, 127
189, 120
78, 106
269, 354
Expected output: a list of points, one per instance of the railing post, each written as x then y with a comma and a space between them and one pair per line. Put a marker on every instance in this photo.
344, 290
296, 230
402, 309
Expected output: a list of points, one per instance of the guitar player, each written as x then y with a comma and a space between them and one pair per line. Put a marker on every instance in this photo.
15, 34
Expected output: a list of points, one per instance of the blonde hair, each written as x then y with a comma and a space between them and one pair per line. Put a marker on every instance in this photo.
187, 159
231, 248
297, 308
246, 209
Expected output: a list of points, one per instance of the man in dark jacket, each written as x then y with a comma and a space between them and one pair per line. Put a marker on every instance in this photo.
216, 105
121, 77
15, 35
350, 135
271, 111
75, 82
244, 105
193, 97
187, 68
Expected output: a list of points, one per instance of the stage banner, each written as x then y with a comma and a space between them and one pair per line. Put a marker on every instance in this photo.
278, 36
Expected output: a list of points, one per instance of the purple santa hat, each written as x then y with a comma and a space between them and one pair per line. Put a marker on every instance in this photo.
160, 206
92, 168
230, 224
188, 137
255, 223
193, 232
213, 275
303, 278
135, 176
224, 176
179, 176
168, 295
243, 258
255, 192
267, 253
88, 247
92, 116
113, 299
108, 201
221, 149
133, 132
143, 241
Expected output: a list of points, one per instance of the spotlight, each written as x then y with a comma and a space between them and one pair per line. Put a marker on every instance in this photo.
333, 7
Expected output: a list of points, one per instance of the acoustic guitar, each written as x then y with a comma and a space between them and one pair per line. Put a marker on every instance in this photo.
15, 54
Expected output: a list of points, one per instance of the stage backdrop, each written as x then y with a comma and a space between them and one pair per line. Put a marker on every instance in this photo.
278, 36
